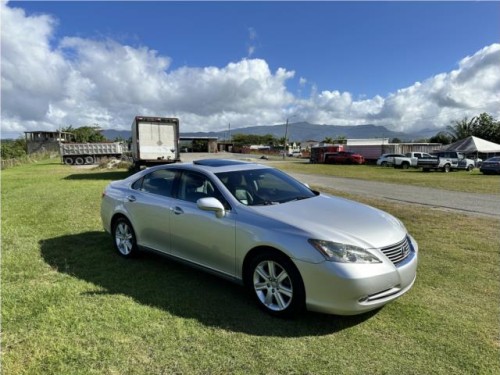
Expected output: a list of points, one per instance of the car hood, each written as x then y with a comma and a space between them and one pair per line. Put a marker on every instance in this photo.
336, 219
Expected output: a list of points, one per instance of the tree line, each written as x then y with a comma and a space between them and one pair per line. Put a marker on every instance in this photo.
483, 126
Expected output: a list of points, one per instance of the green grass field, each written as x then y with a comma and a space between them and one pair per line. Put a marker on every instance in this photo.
71, 306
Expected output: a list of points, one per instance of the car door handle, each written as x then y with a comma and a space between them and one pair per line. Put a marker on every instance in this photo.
177, 210
131, 198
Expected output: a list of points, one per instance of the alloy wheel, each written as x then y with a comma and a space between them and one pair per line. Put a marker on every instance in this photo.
124, 238
273, 285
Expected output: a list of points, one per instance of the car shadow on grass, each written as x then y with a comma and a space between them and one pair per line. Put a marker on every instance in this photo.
156, 281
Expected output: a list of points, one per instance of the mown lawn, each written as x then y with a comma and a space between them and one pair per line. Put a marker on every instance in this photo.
471, 182
71, 306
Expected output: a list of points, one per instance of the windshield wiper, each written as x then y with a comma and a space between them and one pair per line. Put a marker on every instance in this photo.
266, 203
299, 198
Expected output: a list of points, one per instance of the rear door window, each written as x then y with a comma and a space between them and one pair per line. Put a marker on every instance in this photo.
159, 182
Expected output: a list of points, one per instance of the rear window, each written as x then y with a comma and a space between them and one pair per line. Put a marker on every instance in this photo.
159, 182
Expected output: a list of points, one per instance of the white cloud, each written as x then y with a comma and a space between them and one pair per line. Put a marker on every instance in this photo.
80, 81
471, 89
32, 74
252, 36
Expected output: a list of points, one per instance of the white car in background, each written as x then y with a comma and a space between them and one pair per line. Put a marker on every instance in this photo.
387, 160
293, 247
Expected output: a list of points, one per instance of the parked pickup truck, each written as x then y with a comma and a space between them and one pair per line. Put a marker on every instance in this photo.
446, 161
410, 159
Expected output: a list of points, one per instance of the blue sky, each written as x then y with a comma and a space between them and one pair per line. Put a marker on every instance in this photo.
325, 62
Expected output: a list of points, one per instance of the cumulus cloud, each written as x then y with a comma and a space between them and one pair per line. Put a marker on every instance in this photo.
467, 91
472, 88
32, 73
48, 83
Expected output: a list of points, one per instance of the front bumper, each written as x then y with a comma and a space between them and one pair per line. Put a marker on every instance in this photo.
349, 289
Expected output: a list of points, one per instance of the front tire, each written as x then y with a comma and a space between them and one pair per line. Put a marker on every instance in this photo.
124, 238
276, 284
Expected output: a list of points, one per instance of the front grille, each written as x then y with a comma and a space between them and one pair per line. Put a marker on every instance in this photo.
398, 252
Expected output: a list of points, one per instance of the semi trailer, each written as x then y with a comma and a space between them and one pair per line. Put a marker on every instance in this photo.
90, 153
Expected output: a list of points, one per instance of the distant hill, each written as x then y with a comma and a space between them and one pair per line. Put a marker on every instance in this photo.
300, 132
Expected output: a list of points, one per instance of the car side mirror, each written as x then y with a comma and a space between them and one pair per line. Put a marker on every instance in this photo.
211, 204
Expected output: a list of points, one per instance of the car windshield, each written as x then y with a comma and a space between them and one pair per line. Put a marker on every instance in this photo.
264, 187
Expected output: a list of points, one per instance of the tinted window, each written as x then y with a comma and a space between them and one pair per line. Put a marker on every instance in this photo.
159, 182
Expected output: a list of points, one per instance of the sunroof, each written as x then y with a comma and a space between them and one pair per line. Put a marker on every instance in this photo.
218, 162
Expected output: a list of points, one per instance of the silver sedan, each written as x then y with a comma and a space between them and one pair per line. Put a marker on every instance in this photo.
291, 246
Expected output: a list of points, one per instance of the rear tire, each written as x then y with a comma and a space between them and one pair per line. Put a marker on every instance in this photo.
405, 165
276, 284
124, 238
79, 161
446, 168
89, 160
68, 160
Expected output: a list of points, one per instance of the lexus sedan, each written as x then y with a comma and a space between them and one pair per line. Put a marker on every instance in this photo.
292, 247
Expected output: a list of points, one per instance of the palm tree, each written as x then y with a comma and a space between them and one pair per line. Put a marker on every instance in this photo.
341, 140
328, 140
461, 129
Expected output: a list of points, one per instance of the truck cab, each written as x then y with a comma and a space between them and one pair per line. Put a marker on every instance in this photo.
410, 159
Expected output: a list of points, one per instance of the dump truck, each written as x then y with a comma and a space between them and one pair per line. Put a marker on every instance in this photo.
155, 140
90, 153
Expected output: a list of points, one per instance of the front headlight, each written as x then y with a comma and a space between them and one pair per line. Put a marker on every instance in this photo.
343, 253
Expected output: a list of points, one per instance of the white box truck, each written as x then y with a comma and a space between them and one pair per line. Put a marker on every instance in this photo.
155, 140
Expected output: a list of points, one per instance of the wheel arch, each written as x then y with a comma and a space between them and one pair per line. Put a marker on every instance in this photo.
263, 249
115, 217
299, 294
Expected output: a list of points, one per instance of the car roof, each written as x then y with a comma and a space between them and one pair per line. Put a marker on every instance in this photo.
226, 165
213, 165
218, 162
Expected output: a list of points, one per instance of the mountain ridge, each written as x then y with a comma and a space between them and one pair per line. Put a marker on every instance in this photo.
301, 132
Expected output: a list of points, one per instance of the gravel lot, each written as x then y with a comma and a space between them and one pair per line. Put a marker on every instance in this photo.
465, 203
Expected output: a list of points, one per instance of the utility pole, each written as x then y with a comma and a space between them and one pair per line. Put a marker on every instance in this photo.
286, 133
